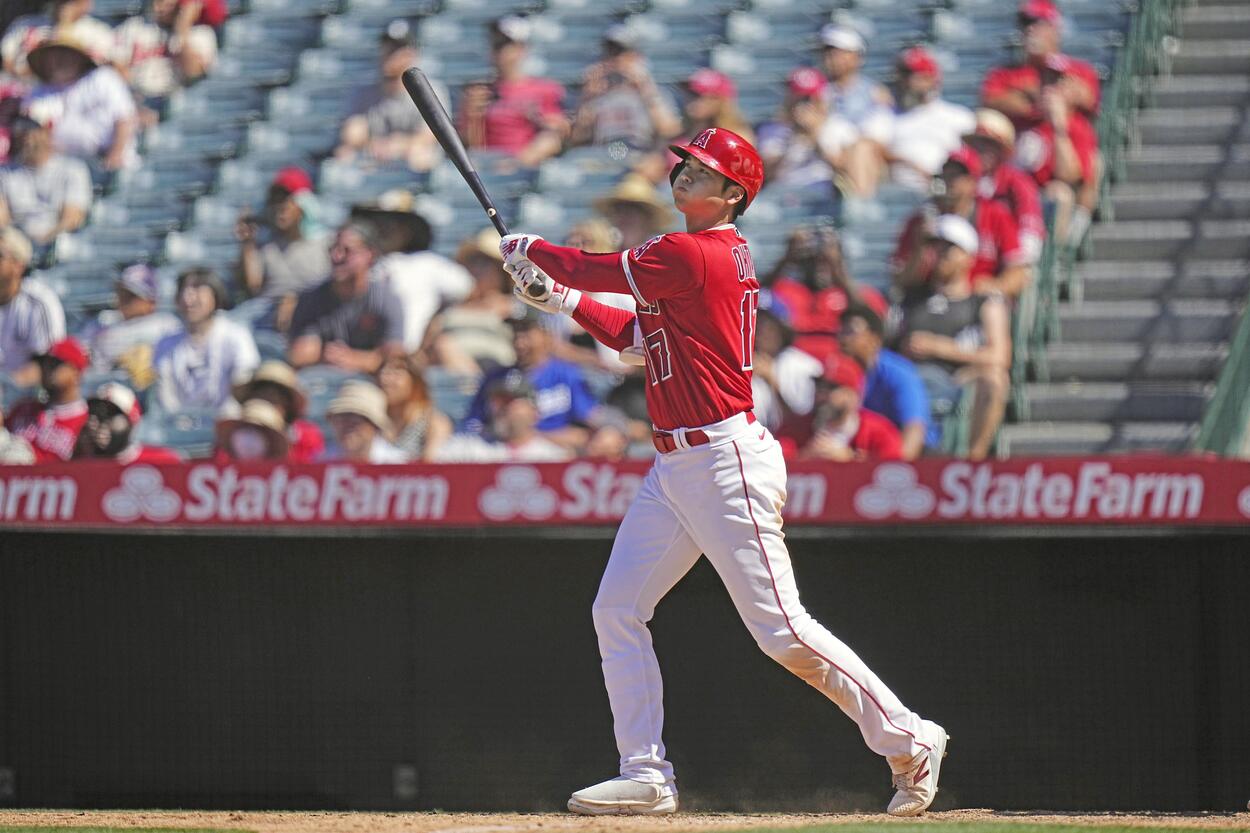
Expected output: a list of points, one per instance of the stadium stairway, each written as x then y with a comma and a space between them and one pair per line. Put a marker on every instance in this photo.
1145, 329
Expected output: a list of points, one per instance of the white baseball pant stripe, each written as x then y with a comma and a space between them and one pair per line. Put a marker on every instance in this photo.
723, 499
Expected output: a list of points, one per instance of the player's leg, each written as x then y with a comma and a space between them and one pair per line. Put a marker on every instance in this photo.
651, 553
744, 542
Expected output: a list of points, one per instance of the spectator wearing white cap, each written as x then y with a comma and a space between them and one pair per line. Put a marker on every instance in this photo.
926, 128
124, 336
42, 192
620, 101
859, 106
383, 125
957, 337
31, 317
360, 425
113, 416
994, 141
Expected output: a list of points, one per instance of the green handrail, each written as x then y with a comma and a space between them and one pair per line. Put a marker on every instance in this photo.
1227, 417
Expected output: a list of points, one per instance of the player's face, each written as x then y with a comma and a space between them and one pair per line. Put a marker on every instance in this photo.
699, 190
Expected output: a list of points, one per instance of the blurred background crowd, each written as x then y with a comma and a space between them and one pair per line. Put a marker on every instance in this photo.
225, 231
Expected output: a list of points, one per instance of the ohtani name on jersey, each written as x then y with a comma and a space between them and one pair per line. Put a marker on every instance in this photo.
742, 260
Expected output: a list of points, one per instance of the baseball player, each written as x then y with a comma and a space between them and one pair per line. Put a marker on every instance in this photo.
718, 483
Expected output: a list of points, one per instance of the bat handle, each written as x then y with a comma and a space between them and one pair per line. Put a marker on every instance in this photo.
500, 225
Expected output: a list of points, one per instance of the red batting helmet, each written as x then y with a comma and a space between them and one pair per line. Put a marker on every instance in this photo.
728, 154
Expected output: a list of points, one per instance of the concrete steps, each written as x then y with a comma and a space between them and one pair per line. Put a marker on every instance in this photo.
1191, 125
1168, 239
1134, 361
1176, 322
1210, 22
1181, 200
1084, 438
1198, 90
1188, 163
1212, 57
1113, 402
1118, 280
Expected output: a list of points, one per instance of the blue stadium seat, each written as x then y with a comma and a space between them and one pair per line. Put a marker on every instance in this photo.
190, 431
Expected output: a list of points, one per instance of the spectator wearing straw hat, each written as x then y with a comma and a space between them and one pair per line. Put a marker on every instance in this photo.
124, 336
839, 428
113, 416
276, 383
31, 317
713, 102
88, 107
198, 366
70, 16
635, 210
994, 141
256, 433
51, 424
360, 424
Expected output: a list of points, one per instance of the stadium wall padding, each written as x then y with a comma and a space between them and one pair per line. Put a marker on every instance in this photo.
1104, 671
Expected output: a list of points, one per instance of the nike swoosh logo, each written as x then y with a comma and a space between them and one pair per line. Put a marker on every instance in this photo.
762, 434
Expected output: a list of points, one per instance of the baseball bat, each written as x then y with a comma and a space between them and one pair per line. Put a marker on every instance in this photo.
422, 94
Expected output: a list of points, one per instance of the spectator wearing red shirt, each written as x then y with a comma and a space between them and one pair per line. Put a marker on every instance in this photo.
840, 428
276, 383
1053, 100
994, 140
813, 283
113, 415
514, 113
1001, 265
52, 426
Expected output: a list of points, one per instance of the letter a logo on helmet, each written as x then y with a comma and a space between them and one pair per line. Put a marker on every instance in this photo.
728, 154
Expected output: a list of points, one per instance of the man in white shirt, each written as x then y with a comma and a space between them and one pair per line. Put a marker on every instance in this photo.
134, 324
198, 366
164, 49
927, 128
31, 317
42, 192
513, 430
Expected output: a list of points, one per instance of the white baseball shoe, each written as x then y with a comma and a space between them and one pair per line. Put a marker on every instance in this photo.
918, 786
623, 797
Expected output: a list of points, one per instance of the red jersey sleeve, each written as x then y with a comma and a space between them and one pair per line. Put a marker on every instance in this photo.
902, 249
1089, 76
664, 266
1000, 80
1006, 237
607, 324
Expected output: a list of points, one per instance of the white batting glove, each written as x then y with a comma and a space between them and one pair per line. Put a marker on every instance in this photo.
514, 248
555, 297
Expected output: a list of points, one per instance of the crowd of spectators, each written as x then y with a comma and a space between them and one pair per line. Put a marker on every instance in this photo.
842, 371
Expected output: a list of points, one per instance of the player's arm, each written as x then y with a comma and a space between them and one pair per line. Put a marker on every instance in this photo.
607, 324
662, 267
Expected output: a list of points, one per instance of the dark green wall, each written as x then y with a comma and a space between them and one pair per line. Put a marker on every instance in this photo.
274, 672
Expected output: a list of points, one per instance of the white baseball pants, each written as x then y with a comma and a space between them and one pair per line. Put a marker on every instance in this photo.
723, 499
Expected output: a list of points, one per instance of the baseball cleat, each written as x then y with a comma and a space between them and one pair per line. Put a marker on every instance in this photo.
623, 797
918, 786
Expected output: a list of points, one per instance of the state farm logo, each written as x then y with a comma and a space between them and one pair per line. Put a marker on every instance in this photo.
142, 494
894, 490
518, 490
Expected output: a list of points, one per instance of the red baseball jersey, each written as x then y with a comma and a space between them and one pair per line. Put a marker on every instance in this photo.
998, 240
1028, 78
697, 296
51, 430
1018, 192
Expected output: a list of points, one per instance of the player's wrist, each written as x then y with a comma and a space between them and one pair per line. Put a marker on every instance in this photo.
572, 297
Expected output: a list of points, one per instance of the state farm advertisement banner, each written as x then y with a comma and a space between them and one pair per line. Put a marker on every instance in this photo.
1114, 490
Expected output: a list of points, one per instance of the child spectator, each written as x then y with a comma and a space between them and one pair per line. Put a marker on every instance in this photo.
513, 113
88, 108
51, 424
839, 428
257, 433
350, 321
198, 366
620, 101
31, 317
473, 336
72, 17
124, 336
956, 337
1002, 265
926, 128
164, 49
892, 387
113, 415
565, 403
512, 429
812, 282
360, 424
713, 102
994, 142
276, 383
383, 125
283, 252
42, 192
418, 426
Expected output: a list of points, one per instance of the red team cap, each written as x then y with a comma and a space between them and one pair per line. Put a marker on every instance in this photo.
919, 61
967, 157
806, 82
122, 398
843, 372
70, 351
728, 154
1040, 10
293, 180
707, 81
